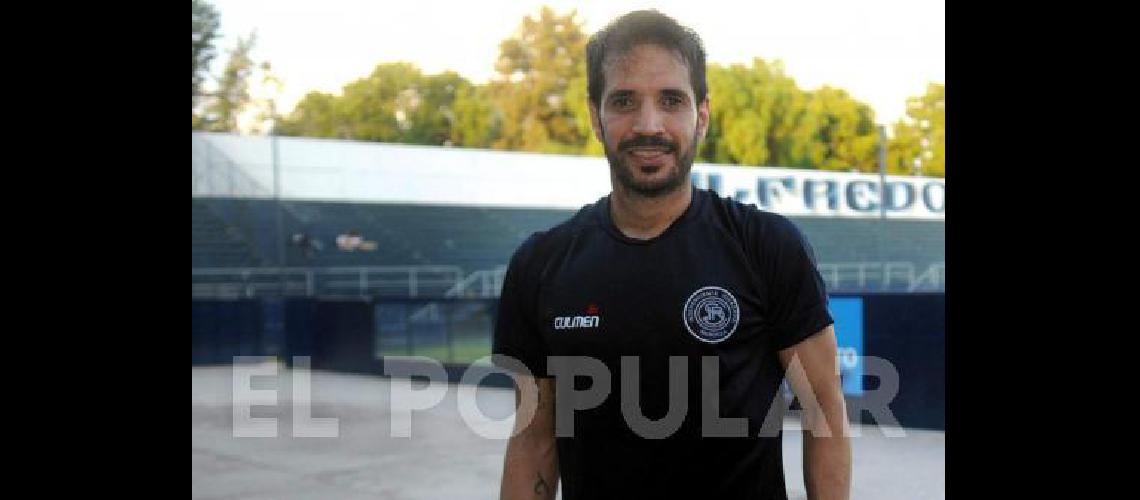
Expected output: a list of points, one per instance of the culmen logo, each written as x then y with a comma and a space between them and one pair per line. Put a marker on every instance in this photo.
590, 321
711, 314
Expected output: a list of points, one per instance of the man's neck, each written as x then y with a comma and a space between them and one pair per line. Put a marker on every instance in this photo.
644, 218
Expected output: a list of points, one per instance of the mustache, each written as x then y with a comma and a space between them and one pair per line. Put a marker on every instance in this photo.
647, 141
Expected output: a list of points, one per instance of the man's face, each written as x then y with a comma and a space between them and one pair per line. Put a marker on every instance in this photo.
648, 120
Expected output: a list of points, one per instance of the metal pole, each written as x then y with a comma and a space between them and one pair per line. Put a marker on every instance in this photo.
210, 172
882, 172
279, 211
880, 233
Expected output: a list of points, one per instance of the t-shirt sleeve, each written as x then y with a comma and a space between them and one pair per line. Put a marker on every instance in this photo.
517, 338
797, 293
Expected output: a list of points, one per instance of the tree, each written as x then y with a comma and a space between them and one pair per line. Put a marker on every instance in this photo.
232, 95
836, 132
919, 144
476, 124
204, 32
577, 97
759, 116
261, 114
788, 104
536, 67
396, 103
313, 116
740, 114
904, 148
538, 102
430, 110
929, 114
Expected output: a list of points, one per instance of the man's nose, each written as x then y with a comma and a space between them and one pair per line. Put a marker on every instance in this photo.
649, 121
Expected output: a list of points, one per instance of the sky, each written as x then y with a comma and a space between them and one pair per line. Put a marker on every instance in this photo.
880, 51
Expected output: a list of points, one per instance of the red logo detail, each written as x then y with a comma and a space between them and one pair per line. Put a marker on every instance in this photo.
592, 310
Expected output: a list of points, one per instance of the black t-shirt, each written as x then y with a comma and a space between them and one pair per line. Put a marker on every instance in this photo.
727, 282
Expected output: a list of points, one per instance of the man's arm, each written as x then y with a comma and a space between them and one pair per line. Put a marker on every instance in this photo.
530, 469
813, 373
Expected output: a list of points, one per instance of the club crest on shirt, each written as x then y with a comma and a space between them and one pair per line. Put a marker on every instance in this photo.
711, 314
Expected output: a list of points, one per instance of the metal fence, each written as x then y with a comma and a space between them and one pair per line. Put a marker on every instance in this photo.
861, 277
365, 281
452, 282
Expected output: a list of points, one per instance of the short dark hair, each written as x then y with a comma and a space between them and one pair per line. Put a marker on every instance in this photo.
638, 27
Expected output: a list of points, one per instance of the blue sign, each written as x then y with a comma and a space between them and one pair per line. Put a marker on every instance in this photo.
848, 315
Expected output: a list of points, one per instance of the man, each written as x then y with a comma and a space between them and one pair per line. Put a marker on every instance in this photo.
649, 334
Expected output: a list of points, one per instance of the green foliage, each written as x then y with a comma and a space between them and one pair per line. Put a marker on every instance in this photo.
759, 116
221, 107
919, 143
476, 124
205, 31
225, 104
837, 133
739, 120
533, 105
536, 67
538, 102
396, 103
314, 116
578, 99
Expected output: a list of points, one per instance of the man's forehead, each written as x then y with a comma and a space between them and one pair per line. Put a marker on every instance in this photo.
647, 61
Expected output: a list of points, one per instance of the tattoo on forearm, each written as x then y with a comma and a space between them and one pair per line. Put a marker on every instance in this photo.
540, 487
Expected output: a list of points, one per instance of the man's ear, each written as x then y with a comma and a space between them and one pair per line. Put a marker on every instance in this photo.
595, 122
703, 117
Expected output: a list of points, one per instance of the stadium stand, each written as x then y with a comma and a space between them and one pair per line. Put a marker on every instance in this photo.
479, 238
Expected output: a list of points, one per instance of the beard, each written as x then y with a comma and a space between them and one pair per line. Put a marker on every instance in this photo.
623, 171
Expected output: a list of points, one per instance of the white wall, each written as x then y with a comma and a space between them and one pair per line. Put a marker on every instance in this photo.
334, 170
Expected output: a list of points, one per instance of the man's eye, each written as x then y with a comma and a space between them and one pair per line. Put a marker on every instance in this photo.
622, 102
672, 101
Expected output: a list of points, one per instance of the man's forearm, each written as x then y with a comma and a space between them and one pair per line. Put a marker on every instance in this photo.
530, 470
813, 373
827, 456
